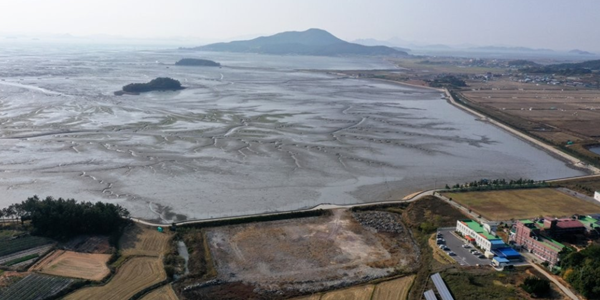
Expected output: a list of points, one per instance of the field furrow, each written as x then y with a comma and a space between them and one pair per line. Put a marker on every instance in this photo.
135, 275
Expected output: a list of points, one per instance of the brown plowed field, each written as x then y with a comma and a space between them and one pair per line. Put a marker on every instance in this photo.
134, 275
164, 293
396, 289
74, 265
313, 297
144, 241
363, 292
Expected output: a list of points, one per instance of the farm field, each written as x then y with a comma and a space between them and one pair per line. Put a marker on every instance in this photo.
570, 109
313, 297
556, 114
164, 293
89, 244
134, 275
396, 289
35, 287
74, 265
522, 204
25, 253
23, 243
144, 241
363, 292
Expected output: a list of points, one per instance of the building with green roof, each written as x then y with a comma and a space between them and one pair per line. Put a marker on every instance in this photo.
482, 235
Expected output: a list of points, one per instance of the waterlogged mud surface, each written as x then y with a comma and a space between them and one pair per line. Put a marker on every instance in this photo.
254, 136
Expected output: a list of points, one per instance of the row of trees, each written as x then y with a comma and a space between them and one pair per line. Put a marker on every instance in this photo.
60, 218
496, 184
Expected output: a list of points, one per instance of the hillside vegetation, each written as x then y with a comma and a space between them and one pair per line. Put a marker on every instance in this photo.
197, 62
310, 42
158, 84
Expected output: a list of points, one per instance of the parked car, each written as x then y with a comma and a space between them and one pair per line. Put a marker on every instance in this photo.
442, 246
473, 251
446, 249
440, 242
466, 246
451, 253
481, 256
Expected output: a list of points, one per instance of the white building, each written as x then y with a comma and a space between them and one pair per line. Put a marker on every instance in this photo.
597, 196
479, 234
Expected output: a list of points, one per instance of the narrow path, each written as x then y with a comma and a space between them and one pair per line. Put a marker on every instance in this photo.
551, 277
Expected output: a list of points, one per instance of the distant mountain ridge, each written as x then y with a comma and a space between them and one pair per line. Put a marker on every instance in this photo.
310, 42
510, 49
581, 52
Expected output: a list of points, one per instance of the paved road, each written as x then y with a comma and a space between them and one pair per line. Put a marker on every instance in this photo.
415, 197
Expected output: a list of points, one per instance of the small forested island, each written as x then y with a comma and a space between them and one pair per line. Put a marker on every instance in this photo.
157, 84
197, 62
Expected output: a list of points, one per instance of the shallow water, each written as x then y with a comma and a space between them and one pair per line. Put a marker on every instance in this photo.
254, 136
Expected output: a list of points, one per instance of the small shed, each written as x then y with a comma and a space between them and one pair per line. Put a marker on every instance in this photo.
500, 261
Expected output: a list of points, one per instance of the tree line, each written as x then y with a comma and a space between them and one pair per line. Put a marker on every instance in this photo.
496, 184
63, 218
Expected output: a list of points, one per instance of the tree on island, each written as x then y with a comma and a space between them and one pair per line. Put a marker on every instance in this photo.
158, 84
197, 62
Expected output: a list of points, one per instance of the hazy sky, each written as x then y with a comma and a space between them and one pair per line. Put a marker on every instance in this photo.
557, 24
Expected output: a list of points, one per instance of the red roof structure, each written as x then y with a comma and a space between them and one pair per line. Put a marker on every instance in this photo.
569, 223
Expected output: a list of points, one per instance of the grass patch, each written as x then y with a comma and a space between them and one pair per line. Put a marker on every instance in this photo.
522, 204
489, 286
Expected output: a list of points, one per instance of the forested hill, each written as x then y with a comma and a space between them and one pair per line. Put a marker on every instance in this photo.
197, 62
310, 42
567, 69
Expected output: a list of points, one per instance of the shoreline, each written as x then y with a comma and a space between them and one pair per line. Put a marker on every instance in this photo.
573, 161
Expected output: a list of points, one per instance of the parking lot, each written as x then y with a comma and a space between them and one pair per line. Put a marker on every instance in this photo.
463, 256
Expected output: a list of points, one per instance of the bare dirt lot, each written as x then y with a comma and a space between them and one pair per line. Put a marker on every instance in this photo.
311, 253
74, 265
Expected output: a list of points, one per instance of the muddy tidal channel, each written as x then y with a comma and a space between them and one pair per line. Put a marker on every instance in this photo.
257, 135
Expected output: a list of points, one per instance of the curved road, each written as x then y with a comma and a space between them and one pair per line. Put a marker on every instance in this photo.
414, 197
